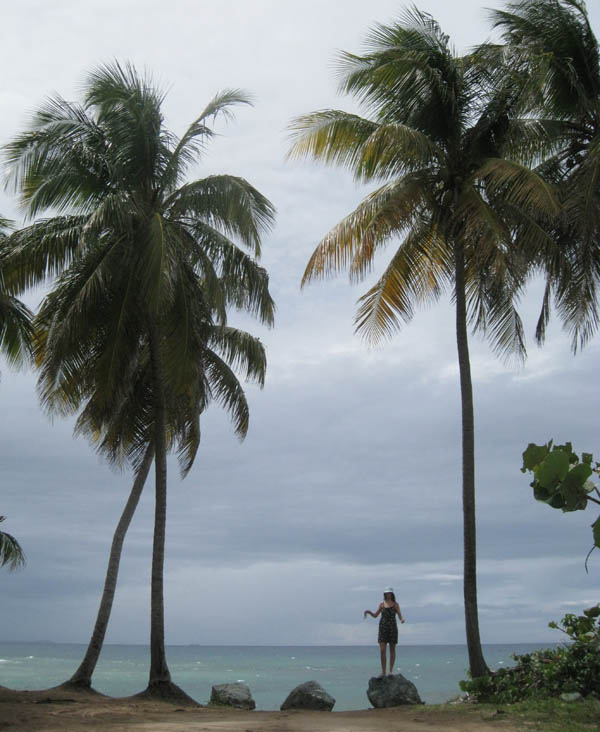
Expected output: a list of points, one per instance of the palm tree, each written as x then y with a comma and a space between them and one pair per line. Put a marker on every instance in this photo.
148, 265
554, 42
125, 433
11, 554
437, 138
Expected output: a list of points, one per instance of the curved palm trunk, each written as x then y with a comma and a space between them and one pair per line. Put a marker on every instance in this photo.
477, 664
83, 676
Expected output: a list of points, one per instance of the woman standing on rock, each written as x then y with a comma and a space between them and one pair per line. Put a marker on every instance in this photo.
388, 630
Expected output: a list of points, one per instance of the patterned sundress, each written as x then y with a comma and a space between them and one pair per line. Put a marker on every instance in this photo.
388, 629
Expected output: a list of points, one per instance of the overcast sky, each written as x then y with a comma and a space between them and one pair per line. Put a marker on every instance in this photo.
349, 479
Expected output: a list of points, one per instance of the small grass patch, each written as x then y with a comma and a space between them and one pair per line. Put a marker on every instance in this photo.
552, 715
547, 715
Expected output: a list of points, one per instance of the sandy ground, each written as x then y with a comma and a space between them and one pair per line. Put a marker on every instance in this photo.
60, 711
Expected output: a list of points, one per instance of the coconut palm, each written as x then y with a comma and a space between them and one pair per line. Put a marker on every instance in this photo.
436, 137
148, 265
124, 434
11, 554
554, 41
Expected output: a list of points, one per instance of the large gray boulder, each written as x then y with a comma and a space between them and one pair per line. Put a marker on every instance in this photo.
232, 695
392, 691
310, 695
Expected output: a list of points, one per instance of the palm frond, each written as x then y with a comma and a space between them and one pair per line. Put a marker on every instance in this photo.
227, 203
191, 145
241, 351
331, 135
227, 392
11, 554
518, 185
417, 273
230, 276
16, 330
386, 212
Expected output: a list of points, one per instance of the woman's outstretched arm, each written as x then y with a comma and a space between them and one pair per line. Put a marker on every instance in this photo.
375, 614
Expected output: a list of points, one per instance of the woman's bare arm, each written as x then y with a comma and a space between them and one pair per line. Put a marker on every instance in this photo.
375, 614
399, 613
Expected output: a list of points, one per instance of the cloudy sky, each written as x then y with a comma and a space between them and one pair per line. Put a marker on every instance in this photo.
349, 479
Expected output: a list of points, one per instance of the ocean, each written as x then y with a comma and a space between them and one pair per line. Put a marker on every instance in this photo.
271, 672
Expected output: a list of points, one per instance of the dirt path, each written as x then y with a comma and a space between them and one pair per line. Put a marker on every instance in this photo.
59, 711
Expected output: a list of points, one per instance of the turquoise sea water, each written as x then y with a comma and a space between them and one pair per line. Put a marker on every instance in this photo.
271, 672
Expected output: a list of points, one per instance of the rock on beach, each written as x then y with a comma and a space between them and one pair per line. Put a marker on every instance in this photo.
310, 695
392, 691
232, 695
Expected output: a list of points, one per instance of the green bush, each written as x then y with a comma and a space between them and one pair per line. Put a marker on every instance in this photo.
548, 672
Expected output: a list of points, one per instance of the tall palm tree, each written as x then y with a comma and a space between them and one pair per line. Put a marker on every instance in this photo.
11, 554
437, 138
125, 432
148, 265
554, 42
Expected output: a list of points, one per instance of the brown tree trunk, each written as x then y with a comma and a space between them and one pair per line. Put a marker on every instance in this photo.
159, 671
83, 676
477, 664
159, 681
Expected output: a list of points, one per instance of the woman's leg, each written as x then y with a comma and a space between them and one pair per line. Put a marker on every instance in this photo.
392, 656
382, 655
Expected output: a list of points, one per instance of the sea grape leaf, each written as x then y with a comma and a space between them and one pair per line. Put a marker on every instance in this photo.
533, 455
553, 469
568, 448
540, 492
587, 457
572, 487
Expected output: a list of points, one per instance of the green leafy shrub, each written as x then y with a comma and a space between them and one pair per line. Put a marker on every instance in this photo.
548, 672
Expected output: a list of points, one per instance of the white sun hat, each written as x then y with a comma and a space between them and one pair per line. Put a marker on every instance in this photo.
388, 589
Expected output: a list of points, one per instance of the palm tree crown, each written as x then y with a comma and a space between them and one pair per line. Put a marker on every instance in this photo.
553, 42
437, 136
